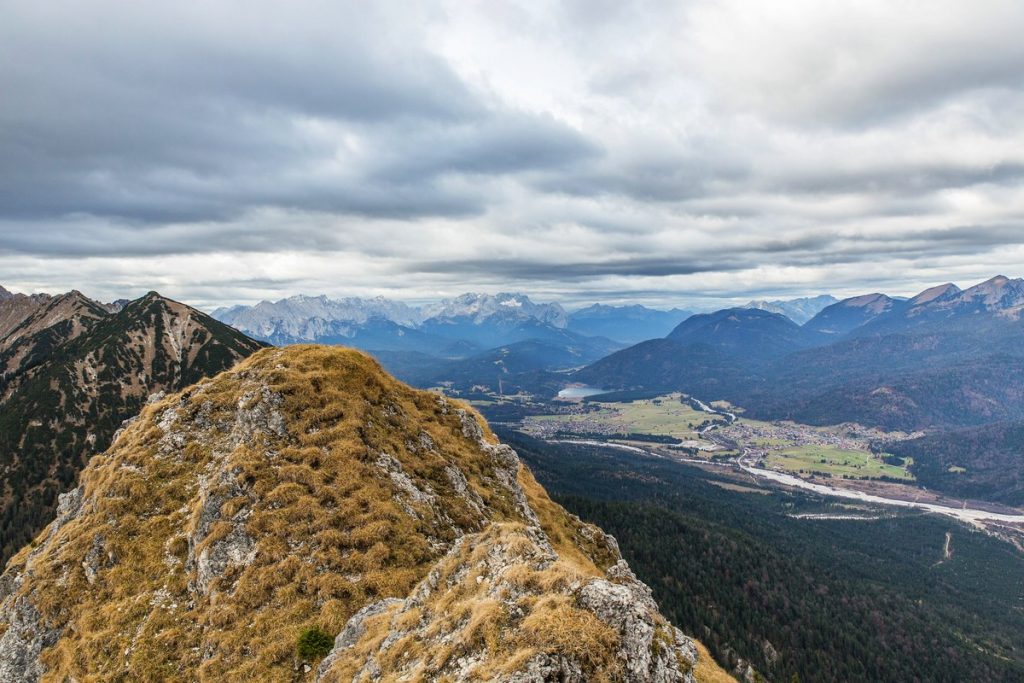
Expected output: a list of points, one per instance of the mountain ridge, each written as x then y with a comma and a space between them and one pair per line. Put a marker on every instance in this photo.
73, 372
230, 516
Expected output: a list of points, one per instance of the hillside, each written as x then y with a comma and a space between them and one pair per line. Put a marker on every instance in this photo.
15, 308
750, 332
234, 529
849, 314
796, 585
976, 462
666, 365
73, 373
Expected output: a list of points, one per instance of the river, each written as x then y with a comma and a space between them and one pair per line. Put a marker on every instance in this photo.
965, 514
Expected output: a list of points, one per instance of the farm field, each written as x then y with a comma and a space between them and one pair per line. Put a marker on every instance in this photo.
838, 462
661, 416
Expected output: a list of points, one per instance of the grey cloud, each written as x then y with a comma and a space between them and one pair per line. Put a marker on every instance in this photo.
800, 250
519, 269
171, 124
561, 147
856, 65
901, 178
510, 142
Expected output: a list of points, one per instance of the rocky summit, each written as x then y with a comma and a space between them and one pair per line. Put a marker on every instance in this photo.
306, 517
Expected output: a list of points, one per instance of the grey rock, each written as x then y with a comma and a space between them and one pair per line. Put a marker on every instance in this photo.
646, 654
236, 548
544, 668
24, 639
353, 631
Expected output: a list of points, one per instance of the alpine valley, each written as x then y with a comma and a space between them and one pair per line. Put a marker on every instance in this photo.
493, 488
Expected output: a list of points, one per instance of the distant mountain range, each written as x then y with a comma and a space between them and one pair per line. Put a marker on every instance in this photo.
944, 359
798, 310
452, 327
73, 370
308, 318
860, 341
431, 339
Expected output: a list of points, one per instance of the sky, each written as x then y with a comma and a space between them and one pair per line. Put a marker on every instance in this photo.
667, 153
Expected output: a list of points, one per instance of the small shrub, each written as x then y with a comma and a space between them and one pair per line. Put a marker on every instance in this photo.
314, 643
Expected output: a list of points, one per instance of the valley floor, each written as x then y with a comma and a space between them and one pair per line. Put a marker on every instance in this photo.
835, 461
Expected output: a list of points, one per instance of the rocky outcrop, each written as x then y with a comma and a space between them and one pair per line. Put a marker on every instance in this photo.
502, 605
25, 635
306, 488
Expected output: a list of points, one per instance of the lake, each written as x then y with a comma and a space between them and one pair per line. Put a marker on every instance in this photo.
579, 392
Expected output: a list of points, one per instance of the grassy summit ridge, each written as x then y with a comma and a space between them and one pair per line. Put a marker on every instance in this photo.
291, 492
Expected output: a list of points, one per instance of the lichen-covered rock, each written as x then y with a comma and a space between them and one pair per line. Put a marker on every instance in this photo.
26, 634
305, 488
354, 630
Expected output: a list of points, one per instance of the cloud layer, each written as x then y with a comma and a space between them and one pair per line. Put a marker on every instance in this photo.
658, 151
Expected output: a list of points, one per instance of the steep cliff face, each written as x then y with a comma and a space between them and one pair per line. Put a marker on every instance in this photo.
306, 489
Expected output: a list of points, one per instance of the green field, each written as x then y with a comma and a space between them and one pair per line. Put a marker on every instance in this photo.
837, 462
661, 416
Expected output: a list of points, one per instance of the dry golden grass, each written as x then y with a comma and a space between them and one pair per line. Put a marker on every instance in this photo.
330, 536
555, 625
707, 669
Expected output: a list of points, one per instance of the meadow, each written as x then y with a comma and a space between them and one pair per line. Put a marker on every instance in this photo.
834, 461
660, 416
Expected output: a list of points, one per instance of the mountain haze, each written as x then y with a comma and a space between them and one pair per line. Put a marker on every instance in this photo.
307, 318
447, 341
302, 319
480, 308
628, 324
453, 328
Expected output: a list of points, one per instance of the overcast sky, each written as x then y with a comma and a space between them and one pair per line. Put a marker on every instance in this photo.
662, 152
